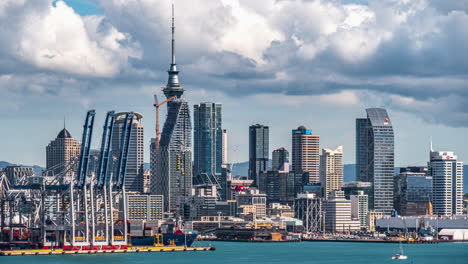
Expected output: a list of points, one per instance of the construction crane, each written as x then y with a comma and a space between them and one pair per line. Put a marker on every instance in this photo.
157, 106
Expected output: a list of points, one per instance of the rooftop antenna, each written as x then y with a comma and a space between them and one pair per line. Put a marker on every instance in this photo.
430, 140
64, 127
173, 31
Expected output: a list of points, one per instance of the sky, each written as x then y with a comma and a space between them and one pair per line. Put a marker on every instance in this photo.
282, 63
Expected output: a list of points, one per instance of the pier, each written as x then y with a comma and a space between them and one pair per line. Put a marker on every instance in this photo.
30, 252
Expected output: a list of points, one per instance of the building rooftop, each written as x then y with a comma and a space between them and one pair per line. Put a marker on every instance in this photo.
64, 134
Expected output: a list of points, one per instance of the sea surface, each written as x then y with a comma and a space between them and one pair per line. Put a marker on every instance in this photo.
301, 252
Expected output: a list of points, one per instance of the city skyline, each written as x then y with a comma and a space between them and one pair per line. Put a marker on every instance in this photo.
26, 97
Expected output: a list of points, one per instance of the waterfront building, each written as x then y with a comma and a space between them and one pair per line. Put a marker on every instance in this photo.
360, 208
447, 183
144, 206
337, 212
135, 160
308, 208
252, 202
375, 157
174, 169
224, 156
331, 170
207, 139
372, 217
259, 141
203, 203
280, 210
279, 158
60, 152
235, 186
15, 174
413, 191
414, 223
305, 153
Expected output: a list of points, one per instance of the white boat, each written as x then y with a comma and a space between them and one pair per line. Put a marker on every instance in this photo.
400, 255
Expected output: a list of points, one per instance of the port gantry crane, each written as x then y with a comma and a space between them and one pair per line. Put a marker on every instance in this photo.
78, 206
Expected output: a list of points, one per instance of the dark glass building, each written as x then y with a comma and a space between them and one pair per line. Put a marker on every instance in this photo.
375, 157
413, 192
207, 139
280, 157
258, 151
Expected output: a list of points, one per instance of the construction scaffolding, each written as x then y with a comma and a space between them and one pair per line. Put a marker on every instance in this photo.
308, 208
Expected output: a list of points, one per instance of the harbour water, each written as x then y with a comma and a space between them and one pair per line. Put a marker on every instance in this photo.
263, 253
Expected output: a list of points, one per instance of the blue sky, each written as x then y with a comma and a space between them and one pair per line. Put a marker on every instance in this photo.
278, 63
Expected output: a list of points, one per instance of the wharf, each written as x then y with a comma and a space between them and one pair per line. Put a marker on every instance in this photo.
370, 241
29, 252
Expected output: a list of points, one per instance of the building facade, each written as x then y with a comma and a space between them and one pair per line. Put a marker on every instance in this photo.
360, 208
224, 155
279, 158
259, 141
174, 176
375, 157
144, 207
15, 174
338, 214
207, 139
280, 186
134, 172
331, 170
413, 191
60, 152
305, 153
308, 208
447, 183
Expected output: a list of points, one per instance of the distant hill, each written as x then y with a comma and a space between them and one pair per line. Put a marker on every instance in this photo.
36, 168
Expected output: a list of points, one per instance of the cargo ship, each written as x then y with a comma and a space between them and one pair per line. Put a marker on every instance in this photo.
168, 235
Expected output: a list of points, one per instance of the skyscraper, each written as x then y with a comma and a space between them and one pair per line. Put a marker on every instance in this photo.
225, 147
61, 151
375, 157
174, 177
331, 170
280, 157
258, 151
305, 153
207, 139
134, 172
447, 183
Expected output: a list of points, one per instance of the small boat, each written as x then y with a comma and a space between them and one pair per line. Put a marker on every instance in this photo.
400, 255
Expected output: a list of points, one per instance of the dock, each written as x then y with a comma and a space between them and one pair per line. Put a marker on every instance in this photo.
31, 252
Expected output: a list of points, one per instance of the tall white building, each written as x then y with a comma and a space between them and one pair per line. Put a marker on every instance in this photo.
134, 173
331, 170
447, 183
224, 144
360, 208
338, 214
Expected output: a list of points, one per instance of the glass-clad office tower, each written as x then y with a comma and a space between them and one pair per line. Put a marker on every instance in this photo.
375, 157
258, 151
207, 139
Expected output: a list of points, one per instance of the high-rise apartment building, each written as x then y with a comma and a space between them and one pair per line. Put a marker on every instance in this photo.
134, 172
144, 207
259, 141
174, 176
224, 155
375, 157
331, 170
447, 183
305, 153
61, 151
279, 158
207, 139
